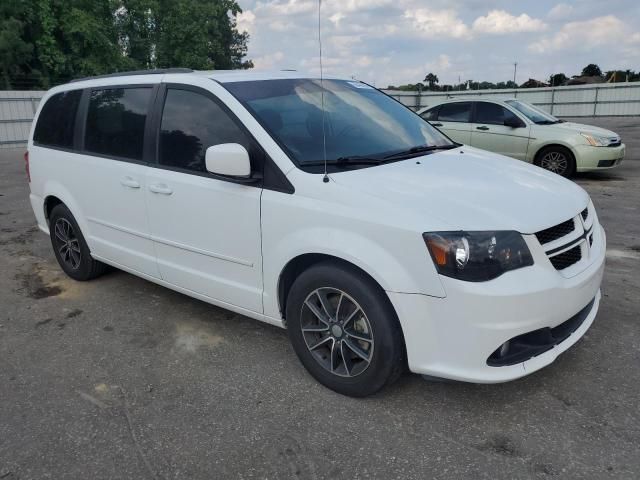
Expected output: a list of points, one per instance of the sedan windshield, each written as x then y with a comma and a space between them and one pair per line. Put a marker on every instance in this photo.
359, 125
533, 113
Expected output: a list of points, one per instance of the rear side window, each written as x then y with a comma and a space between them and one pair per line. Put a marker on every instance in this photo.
431, 114
57, 120
492, 113
455, 112
115, 122
191, 123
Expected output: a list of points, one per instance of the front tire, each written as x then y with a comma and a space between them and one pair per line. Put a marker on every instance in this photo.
70, 248
344, 330
557, 159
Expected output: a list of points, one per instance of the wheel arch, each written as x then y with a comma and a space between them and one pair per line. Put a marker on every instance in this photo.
50, 202
300, 263
57, 194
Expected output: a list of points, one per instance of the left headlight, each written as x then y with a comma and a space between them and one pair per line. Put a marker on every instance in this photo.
595, 140
477, 256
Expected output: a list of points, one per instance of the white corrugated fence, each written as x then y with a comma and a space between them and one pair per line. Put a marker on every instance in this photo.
17, 108
599, 100
618, 99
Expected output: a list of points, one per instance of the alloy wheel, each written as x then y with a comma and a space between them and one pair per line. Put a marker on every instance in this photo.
337, 332
556, 162
67, 243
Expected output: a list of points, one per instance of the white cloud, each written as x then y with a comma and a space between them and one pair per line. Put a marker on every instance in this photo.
560, 11
441, 64
245, 21
437, 23
607, 30
399, 41
499, 22
267, 62
336, 17
446, 23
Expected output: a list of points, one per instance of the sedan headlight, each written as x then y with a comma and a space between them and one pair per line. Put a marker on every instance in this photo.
477, 256
595, 140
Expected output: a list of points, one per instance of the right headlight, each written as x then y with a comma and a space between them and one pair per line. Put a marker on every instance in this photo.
477, 256
595, 140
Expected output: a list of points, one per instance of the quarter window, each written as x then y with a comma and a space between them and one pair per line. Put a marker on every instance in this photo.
431, 114
191, 123
116, 120
57, 120
492, 113
455, 112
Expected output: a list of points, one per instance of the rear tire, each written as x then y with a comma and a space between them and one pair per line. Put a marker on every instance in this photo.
557, 159
70, 248
344, 330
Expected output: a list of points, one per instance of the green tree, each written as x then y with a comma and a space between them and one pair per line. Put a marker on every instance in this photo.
557, 79
200, 34
591, 70
432, 80
45, 42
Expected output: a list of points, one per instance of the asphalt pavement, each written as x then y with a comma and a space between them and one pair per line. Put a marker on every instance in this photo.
119, 378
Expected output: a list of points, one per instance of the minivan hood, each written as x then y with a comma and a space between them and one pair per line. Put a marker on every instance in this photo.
582, 128
471, 189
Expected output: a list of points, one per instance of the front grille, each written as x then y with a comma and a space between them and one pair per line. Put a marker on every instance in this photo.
566, 259
585, 213
554, 233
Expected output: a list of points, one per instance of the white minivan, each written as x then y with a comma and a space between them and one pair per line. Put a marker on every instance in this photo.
324, 207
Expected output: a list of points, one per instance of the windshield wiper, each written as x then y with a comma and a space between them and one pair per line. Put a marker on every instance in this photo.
420, 149
548, 122
348, 160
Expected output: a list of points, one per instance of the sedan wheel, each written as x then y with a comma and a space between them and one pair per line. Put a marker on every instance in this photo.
555, 162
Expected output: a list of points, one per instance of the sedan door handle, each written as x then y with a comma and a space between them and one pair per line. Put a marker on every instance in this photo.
129, 182
436, 124
482, 128
160, 188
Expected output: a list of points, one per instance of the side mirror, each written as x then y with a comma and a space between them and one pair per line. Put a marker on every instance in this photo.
228, 160
513, 122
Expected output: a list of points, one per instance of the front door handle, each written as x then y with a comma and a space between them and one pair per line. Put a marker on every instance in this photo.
129, 182
482, 128
161, 188
436, 124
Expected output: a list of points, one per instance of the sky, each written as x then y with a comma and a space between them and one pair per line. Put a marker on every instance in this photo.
393, 42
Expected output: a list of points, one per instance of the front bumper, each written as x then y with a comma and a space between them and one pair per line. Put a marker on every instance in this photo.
453, 337
598, 158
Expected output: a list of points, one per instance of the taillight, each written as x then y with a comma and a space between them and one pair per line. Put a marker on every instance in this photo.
26, 165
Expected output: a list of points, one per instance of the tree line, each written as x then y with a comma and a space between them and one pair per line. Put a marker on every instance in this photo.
48, 42
431, 81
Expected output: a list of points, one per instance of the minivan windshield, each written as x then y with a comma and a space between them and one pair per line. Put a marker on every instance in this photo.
533, 113
362, 126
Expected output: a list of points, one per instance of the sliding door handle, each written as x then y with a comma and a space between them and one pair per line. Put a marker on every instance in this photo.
160, 188
482, 128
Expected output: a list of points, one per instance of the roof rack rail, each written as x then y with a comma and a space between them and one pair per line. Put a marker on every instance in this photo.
155, 71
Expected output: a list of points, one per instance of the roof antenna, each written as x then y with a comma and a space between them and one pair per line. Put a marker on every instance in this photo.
325, 177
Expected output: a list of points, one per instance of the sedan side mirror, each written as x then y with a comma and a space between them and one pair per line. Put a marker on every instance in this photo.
513, 122
228, 160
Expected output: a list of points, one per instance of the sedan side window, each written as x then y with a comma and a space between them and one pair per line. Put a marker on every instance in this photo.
492, 113
455, 112
431, 114
191, 123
